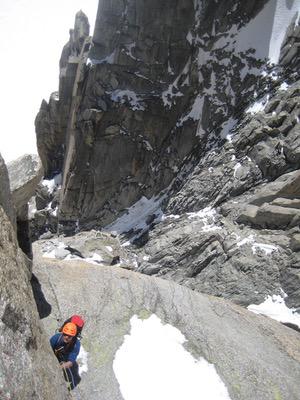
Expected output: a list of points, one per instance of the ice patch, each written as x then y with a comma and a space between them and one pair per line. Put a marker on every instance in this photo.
153, 364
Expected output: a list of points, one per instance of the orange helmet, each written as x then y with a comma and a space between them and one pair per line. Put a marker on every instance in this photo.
70, 329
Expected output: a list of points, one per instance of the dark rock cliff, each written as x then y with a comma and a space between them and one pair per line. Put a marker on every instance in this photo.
178, 101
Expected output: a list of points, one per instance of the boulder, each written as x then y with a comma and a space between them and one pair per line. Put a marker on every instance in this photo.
24, 174
28, 367
270, 216
254, 356
289, 203
286, 186
295, 242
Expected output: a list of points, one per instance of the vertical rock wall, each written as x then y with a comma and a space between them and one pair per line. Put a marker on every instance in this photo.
28, 367
53, 118
159, 86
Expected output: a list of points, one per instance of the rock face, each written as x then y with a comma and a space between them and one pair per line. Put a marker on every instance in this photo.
5, 194
151, 95
244, 182
254, 356
176, 103
53, 118
143, 99
28, 369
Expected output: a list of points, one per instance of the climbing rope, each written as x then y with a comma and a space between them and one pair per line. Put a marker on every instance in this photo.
69, 383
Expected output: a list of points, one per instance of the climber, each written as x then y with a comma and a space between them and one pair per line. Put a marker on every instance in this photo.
78, 321
66, 347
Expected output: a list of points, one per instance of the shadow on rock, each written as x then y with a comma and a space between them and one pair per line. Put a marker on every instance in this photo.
44, 308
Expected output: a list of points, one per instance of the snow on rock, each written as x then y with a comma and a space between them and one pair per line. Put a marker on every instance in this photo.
235, 168
207, 216
123, 96
173, 91
82, 360
136, 216
259, 105
275, 308
284, 86
153, 364
53, 183
257, 247
227, 128
195, 112
265, 33
110, 59
52, 252
284, 14
266, 248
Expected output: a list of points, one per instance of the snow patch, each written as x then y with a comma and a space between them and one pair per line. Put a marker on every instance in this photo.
153, 364
207, 217
256, 247
136, 216
284, 86
227, 128
53, 183
265, 33
123, 96
258, 106
283, 17
236, 167
110, 59
266, 248
275, 308
195, 112
82, 360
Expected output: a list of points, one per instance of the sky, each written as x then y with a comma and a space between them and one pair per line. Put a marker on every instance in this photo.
32, 35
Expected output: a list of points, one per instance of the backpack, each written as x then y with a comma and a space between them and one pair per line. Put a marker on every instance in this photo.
78, 321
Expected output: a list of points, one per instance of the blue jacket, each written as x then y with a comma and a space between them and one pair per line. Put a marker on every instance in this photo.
64, 352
